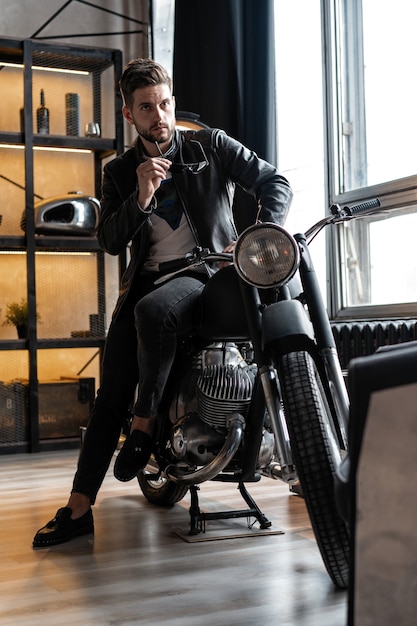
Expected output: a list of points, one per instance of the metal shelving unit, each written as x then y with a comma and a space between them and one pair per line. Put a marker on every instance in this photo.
52, 271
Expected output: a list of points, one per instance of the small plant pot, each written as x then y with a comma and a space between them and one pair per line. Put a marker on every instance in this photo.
22, 331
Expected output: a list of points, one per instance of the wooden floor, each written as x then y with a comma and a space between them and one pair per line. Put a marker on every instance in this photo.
138, 570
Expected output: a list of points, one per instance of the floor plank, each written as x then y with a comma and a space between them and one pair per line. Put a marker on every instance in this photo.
137, 570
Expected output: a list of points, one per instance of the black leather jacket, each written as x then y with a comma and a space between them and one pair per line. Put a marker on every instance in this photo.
207, 197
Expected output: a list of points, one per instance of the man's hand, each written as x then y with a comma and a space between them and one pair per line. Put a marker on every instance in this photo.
150, 174
229, 248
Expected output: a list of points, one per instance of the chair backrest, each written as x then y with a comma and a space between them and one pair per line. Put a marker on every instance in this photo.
382, 478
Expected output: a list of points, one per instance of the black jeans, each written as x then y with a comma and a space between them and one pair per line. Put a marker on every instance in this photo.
140, 350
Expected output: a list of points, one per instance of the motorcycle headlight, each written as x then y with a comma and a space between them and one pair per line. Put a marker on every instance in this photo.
266, 255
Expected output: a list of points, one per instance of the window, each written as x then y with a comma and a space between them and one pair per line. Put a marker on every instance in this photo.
372, 133
299, 86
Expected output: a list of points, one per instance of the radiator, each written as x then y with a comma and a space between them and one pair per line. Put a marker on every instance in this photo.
355, 339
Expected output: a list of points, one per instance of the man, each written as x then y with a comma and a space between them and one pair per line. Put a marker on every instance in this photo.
170, 192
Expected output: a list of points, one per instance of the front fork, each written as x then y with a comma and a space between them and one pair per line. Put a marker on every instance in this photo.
285, 469
338, 390
324, 336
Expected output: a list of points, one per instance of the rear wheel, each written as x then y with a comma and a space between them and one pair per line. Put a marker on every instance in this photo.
160, 490
317, 455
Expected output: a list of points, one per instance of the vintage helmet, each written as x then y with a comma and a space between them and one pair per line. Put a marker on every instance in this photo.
71, 214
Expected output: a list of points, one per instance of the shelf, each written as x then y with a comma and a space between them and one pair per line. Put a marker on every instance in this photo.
13, 344
67, 277
44, 344
12, 139
66, 244
51, 243
70, 57
13, 243
99, 145
71, 342
11, 49
45, 445
52, 445
62, 56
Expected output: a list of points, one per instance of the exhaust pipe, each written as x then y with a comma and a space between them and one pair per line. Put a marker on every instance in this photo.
236, 425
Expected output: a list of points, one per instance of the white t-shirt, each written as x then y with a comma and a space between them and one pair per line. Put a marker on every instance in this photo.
170, 234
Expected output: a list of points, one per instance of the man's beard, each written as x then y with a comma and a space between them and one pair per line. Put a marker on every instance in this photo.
154, 136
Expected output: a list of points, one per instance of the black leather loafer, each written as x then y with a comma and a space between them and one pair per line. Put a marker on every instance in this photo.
62, 528
133, 455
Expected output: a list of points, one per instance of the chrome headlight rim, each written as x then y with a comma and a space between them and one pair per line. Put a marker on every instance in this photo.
266, 255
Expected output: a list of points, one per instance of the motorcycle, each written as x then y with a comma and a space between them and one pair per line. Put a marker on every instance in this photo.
257, 388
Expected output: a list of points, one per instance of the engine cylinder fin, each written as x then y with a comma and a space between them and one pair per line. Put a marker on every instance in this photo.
221, 390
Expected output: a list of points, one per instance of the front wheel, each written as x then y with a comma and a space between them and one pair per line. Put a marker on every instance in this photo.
317, 455
160, 490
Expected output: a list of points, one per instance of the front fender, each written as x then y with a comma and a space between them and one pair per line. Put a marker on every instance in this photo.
286, 327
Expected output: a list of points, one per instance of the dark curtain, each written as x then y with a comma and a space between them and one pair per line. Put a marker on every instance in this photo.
224, 68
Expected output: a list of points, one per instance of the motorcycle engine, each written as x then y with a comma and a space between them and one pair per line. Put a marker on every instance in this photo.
224, 386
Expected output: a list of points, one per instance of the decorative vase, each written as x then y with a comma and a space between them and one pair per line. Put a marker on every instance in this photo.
22, 331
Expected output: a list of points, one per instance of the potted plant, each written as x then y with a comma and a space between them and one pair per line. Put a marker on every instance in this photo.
17, 315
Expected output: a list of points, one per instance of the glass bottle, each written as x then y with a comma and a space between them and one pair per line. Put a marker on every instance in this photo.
42, 117
22, 119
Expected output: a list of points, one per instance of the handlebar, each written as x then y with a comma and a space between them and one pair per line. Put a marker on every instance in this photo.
362, 208
190, 261
200, 255
339, 214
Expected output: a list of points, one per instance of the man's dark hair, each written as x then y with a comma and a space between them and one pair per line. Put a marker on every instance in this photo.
140, 73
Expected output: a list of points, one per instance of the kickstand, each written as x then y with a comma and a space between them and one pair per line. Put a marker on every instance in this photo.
198, 518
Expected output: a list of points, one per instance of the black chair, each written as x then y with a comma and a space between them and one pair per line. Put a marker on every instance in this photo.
375, 487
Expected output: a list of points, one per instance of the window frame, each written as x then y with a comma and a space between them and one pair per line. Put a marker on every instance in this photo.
393, 195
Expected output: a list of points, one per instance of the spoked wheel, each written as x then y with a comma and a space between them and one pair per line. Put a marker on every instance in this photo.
317, 455
158, 489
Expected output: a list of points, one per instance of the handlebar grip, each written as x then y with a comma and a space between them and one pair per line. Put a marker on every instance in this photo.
363, 207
